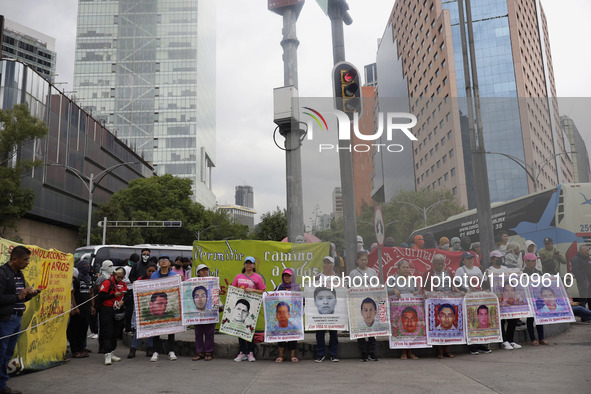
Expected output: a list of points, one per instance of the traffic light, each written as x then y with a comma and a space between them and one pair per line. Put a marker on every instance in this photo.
347, 88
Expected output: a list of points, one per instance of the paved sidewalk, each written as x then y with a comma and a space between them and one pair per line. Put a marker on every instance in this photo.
562, 367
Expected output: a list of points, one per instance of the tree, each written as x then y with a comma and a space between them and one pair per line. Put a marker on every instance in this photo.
161, 198
401, 218
17, 126
273, 226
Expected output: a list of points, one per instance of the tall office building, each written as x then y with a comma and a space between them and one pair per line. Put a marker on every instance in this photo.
580, 155
518, 109
244, 196
29, 46
147, 69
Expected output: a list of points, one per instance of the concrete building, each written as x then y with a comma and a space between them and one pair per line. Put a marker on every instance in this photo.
518, 109
147, 68
29, 46
76, 146
244, 196
337, 203
239, 214
581, 169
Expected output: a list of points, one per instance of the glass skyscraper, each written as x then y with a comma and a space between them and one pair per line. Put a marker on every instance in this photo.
147, 69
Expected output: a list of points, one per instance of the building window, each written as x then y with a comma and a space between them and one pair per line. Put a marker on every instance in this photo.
454, 190
453, 171
451, 153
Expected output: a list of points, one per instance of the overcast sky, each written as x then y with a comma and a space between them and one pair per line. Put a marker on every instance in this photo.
249, 66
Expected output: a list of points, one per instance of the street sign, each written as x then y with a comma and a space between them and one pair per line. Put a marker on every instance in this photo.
324, 5
378, 220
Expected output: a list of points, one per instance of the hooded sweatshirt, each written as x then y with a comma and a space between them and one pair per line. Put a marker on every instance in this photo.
293, 286
534, 251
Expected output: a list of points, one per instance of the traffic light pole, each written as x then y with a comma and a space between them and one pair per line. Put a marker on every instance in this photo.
291, 131
336, 13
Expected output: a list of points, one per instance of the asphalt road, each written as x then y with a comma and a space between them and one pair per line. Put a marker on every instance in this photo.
562, 367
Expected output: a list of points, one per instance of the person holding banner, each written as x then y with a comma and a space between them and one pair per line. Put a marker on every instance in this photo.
287, 284
158, 304
404, 286
325, 301
367, 346
251, 282
466, 271
530, 261
14, 292
110, 297
135, 342
204, 333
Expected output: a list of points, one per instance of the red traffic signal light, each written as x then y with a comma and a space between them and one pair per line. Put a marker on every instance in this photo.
347, 88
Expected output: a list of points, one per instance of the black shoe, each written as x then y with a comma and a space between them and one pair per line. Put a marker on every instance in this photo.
484, 349
334, 359
149, 352
319, 359
372, 357
131, 353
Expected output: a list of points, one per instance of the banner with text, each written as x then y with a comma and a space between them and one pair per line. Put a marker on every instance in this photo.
550, 302
158, 306
284, 316
326, 309
368, 312
409, 328
201, 300
483, 322
44, 344
241, 313
513, 300
445, 319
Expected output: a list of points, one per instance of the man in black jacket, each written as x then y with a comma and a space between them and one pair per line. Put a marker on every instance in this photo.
13, 295
581, 266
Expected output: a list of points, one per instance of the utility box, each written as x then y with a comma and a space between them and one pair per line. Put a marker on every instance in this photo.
286, 106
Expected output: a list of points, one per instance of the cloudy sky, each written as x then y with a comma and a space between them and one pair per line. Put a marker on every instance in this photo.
249, 65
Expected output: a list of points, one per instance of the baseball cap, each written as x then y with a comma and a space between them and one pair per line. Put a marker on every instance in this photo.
163, 257
200, 267
467, 255
530, 256
547, 240
329, 258
251, 259
496, 253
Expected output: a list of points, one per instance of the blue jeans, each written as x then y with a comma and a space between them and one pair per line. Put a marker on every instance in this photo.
582, 312
7, 345
333, 344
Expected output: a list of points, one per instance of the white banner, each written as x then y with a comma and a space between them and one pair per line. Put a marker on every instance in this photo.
201, 300
284, 320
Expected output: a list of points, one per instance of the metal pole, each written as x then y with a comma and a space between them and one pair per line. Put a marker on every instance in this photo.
336, 13
104, 229
90, 190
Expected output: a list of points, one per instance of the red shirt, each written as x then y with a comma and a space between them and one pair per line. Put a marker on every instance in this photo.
111, 287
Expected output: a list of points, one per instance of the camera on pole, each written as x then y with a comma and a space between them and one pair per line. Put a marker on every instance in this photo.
347, 87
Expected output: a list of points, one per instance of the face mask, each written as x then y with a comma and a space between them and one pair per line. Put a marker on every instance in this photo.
145, 257
444, 246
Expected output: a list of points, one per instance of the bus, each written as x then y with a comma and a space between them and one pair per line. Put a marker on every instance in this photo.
562, 213
119, 254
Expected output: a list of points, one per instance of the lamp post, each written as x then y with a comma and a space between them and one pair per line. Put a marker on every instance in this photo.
533, 171
90, 183
204, 230
424, 210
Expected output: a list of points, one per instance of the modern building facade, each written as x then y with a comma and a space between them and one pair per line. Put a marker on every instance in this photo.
518, 109
244, 196
29, 46
580, 155
147, 69
239, 214
76, 146
337, 203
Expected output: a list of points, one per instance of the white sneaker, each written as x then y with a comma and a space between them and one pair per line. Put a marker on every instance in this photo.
251, 357
115, 358
172, 356
241, 357
506, 346
107, 358
154, 357
93, 336
515, 345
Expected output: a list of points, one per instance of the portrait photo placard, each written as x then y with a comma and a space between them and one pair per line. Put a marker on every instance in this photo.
483, 322
409, 328
201, 300
158, 306
513, 300
241, 313
445, 319
326, 309
368, 312
550, 304
284, 316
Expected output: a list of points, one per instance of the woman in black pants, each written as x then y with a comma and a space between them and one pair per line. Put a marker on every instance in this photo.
110, 298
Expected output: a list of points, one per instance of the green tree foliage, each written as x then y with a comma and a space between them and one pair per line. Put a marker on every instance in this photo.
161, 198
17, 126
273, 226
439, 205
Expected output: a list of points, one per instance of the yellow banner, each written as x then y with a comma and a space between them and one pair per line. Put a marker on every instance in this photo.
225, 260
41, 346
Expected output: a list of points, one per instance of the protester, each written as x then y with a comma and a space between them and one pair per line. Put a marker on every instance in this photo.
429, 240
389, 242
444, 283
403, 286
418, 241
465, 243
326, 301
251, 282
81, 315
444, 243
186, 263
168, 345
204, 333
288, 283
504, 240
14, 292
550, 257
581, 269
367, 346
139, 269
151, 268
530, 270
468, 270
110, 299
128, 299
512, 256
455, 244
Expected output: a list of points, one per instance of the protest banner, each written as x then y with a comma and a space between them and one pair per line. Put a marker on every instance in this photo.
326, 309
241, 312
445, 319
419, 259
483, 322
200, 300
407, 318
513, 300
284, 316
43, 343
158, 306
225, 260
549, 302
368, 312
